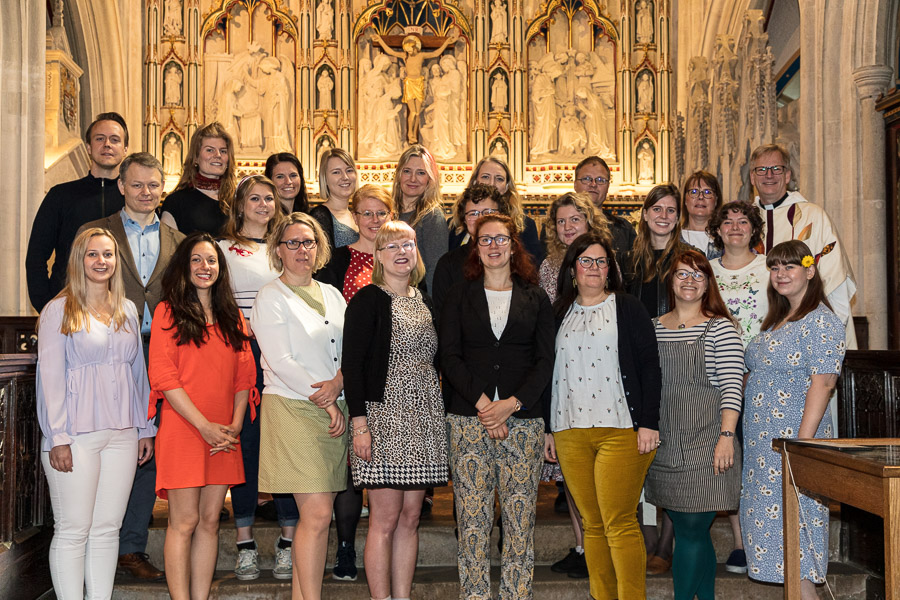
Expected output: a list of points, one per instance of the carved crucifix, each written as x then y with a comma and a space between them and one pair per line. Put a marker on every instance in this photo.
414, 84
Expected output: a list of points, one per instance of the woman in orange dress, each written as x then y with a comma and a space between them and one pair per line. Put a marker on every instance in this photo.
201, 364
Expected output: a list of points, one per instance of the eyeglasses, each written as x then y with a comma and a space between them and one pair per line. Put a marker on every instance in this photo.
775, 170
497, 240
574, 220
378, 214
474, 214
707, 193
683, 274
589, 180
407, 246
295, 244
587, 262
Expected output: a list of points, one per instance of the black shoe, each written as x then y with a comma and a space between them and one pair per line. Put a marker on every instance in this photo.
560, 505
427, 505
345, 564
568, 563
579, 569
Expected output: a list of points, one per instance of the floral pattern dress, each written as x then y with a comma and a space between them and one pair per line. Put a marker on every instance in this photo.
781, 364
744, 293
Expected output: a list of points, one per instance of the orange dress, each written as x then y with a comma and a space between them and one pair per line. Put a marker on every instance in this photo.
211, 375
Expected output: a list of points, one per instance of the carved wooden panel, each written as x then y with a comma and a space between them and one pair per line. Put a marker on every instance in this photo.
7, 493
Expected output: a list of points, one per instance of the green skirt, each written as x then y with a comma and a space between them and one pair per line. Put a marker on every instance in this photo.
296, 454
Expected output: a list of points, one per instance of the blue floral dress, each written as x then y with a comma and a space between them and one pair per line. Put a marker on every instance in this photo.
781, 364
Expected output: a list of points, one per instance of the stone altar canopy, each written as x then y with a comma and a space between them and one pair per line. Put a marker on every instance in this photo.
541, 83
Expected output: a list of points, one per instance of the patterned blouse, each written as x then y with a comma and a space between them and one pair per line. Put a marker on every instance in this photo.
744, 293
359, 273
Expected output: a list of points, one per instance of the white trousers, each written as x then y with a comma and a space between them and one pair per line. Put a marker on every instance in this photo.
88, 507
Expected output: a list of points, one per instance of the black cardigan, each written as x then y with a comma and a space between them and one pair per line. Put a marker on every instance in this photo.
475, 362
367, 347
638, 362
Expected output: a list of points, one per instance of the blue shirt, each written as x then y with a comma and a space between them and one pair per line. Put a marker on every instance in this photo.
144, 245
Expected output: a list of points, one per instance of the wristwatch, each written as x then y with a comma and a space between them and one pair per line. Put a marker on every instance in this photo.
518, 405
726, 434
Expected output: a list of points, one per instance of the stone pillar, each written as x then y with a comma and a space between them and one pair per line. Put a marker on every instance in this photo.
303, 95
519, 101
664, 96
871, 81
626, 100
22, 53
154, 87
346, 57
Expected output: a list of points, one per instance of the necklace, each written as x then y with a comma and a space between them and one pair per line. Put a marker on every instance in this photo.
102, 316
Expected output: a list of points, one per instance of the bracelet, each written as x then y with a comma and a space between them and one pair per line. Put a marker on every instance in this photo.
518, 405
726, 434
360, 431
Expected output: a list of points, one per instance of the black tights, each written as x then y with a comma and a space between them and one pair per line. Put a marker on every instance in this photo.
347, 509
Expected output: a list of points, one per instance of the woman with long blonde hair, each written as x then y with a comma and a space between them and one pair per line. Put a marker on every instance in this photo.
92, 396
337, 184
417, 199
202, 198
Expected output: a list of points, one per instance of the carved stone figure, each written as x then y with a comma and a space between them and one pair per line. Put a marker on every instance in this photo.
645, 93
379, 138
697, 133
595, 117
172, 24
724, 108
646, 170
325, 84
437, 131
499, 32
498, 149
452, 79
172, 155
544, 110
325, 20
277, 103
172, 85
572, 136
499, 93
414, 83
644, 22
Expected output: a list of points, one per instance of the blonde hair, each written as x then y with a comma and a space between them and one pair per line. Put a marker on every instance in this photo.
76, 314
596, 221
273, 240
344, 156
214, 130
235, 222
375, 192
390, 231
511, 195
431, 197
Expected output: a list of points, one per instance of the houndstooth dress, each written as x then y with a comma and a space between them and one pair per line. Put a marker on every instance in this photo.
409, 438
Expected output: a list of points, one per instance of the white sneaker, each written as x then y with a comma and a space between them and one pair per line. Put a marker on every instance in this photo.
247, 565
283, 565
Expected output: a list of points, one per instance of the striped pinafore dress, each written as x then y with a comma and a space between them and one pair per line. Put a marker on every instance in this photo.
681, 476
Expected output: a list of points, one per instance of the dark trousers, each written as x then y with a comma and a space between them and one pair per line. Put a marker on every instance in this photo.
135, 526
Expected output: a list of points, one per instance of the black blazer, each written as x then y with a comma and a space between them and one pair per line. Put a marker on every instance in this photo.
367, 347
449, 272
638, 362
334, 272
475, 362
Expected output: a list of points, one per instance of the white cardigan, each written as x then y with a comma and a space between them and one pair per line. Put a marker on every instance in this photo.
299, 346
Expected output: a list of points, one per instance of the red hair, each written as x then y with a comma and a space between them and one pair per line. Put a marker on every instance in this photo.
711, 305
520, 263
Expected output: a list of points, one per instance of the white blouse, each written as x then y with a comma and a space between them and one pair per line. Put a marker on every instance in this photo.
587, 386
248, 269
498, 310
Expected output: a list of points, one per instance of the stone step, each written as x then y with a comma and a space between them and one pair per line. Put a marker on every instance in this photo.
442, 583
437, 541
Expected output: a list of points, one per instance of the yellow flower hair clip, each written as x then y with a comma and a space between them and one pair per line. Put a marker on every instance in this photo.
807, 261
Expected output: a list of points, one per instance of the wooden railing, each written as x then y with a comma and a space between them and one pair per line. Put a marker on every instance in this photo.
869, 403
26, 521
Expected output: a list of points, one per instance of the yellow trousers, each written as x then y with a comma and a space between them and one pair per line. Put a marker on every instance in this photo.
605, 474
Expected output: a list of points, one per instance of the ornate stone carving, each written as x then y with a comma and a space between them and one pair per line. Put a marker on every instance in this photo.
499, 92
444, 132
643, 25
172, 25
172, 82
325, 86
644, 87
380, 92
725, 105
499, 31
697, 151
646, 160
325, 20
253, 98
172, 161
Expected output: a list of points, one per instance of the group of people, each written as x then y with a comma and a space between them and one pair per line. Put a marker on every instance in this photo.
236, 337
